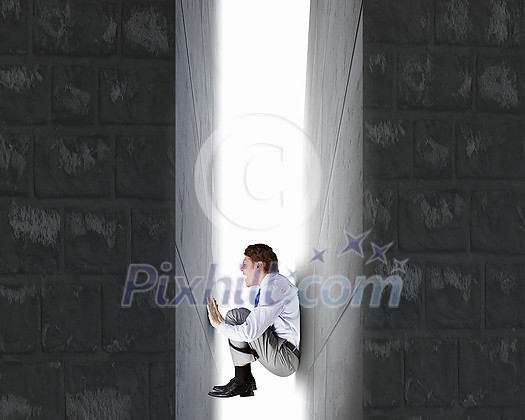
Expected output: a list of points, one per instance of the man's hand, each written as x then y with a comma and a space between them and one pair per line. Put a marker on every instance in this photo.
214, 315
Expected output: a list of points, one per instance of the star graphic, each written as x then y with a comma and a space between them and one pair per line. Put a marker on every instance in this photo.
291, 274
379, 252
399, 265
355, 243
318, 255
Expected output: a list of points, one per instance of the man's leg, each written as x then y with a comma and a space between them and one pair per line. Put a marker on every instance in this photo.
274, 355
243, 383
244, 355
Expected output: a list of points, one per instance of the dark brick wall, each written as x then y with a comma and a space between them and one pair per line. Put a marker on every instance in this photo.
86, 188
444, 169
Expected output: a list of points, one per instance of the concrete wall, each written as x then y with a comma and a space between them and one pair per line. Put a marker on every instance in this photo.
331, 343
444, 180
195, 365
86, 188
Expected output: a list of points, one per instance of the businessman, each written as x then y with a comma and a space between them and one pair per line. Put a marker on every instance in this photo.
269, 333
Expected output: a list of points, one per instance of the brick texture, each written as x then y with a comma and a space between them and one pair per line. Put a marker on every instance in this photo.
70, 318
106, 389
13, 27
86, 187
387, 149
504, 358
143, 327
20, 303
384, 357
502, 213
432, 221
444, 180
423, 359
24, 94
453, 296
437, 81
73, 166
148, 29
29, 389
14, 163
73, 95
80, 28
96, 241
505, 296
490, 150
137, 95
434, 149
145, 167
484, 23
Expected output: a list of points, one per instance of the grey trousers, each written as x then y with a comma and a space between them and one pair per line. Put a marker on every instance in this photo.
273, 355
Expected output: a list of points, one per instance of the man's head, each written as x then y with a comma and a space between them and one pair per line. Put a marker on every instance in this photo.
259, 260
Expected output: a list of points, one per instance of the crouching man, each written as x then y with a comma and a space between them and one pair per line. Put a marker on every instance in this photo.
269, 333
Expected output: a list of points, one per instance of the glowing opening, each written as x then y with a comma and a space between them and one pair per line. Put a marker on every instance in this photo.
262, 174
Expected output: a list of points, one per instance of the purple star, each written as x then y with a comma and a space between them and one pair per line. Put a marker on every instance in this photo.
355, 243
318, 255
399, 265
291, 274
379, 252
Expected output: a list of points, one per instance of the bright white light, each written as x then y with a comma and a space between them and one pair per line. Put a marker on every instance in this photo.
261, 174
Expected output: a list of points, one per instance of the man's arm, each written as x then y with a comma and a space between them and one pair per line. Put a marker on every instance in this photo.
255, 325
270, 307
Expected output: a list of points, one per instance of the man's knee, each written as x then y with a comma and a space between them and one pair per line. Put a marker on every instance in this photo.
237, 316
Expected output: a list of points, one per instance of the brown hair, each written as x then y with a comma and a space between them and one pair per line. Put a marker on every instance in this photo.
264, 253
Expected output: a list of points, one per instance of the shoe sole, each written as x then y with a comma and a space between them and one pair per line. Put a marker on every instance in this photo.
221, 387
247, 393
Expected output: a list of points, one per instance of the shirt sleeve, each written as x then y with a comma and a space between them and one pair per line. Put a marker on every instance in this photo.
257, 322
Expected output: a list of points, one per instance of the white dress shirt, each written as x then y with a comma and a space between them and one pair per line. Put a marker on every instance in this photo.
278, 310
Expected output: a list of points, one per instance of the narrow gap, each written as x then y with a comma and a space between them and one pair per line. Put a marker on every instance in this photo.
261, 88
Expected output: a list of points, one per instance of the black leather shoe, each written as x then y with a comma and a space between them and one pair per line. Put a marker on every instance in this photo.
234, 388
223, 387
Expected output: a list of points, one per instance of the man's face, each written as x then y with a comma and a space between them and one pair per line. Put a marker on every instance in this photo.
250, 271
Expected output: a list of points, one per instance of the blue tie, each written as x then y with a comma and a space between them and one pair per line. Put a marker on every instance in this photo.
257, 298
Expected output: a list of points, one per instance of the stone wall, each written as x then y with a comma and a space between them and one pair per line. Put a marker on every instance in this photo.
444, 181
86, 187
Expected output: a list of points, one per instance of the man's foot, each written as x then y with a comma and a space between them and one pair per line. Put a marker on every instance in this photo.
223, 387
233, 388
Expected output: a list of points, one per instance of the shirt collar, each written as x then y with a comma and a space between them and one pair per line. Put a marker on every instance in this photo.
266, 279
